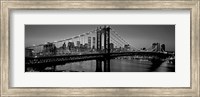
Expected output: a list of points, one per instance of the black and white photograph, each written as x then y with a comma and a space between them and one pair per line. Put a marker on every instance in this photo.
99, 48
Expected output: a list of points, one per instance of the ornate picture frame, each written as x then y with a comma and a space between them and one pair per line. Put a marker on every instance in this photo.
8, 5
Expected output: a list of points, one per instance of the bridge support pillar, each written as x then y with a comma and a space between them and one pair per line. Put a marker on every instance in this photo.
106, 32
107, 65
98, 65
53, 68
99, 34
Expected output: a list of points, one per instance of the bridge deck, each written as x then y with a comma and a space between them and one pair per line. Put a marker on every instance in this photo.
84, 57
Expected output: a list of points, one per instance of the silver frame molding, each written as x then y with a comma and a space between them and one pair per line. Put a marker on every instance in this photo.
8, 5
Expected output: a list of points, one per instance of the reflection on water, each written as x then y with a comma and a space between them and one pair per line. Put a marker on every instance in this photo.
84, 66
117, 65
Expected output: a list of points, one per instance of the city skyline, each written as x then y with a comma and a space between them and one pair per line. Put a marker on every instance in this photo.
139, 36
99, 48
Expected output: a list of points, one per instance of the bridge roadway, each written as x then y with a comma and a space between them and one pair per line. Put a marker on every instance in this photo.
50, 60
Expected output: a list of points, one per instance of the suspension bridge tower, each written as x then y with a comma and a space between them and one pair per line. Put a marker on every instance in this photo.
106, 32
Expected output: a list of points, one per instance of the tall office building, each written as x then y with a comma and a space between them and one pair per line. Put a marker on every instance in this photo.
163, 47
64, 46
78, 43
111, 46
154, 45
93, 45
126, 46
89, 42
86, 46
28, 52
49, 49
70, 45
158, 47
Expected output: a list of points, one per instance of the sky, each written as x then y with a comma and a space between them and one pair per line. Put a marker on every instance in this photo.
138, 36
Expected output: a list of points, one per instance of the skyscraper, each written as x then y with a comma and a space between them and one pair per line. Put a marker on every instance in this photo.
49, 49
126, 47
78, 43
111, 47
93, 47
86, 46
70, 45
154, 45
158, 47
89, 42
163, 47
64, 46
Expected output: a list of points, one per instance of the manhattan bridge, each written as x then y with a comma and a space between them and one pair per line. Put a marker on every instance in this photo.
102, 44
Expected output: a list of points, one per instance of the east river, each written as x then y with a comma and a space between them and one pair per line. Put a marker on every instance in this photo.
117, 65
